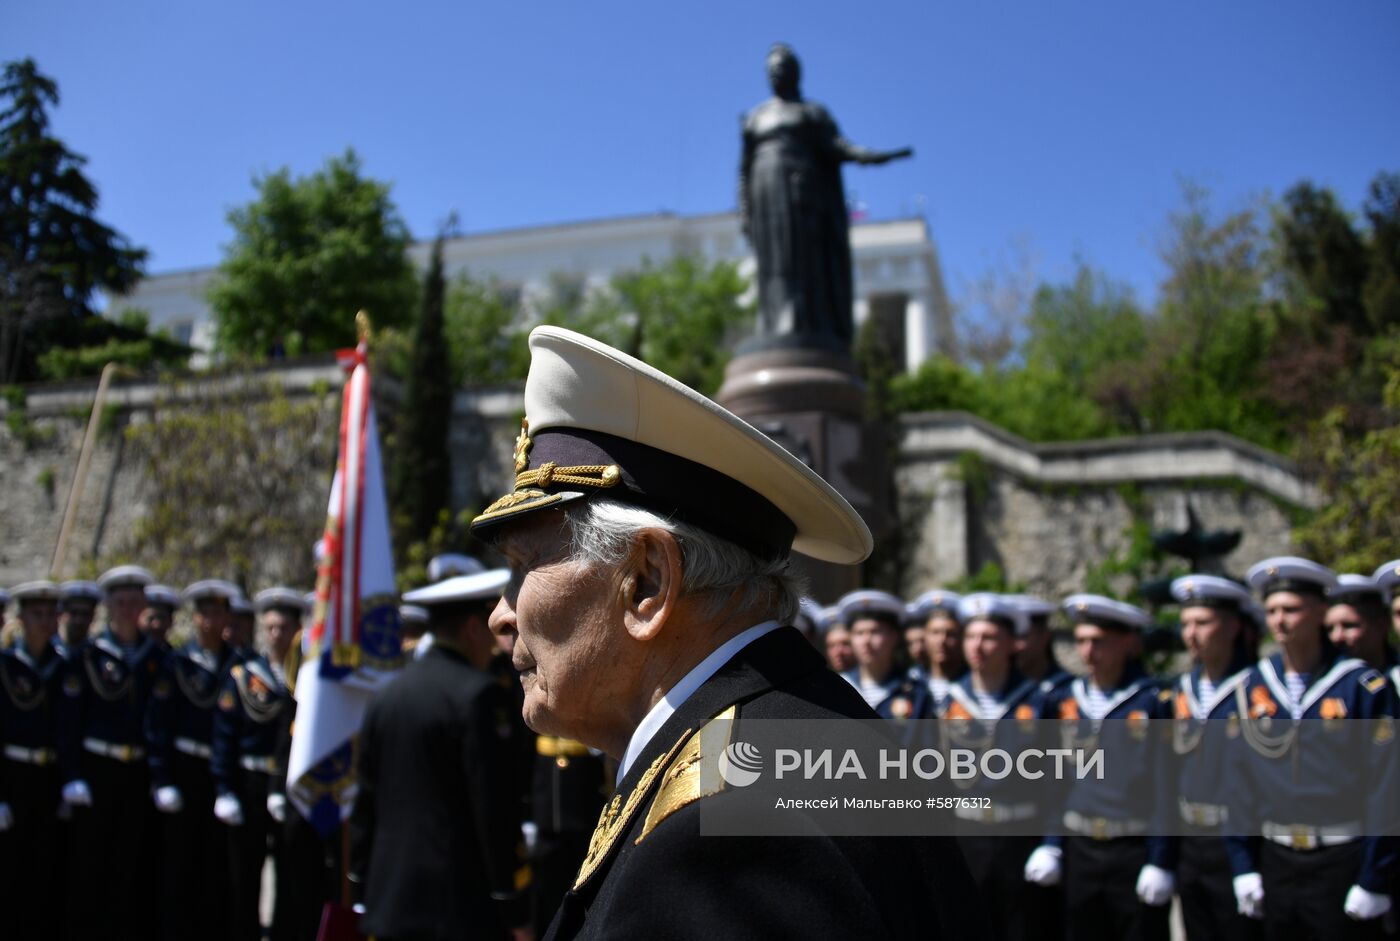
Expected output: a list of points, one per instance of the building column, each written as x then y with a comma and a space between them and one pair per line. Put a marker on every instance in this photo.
919, 339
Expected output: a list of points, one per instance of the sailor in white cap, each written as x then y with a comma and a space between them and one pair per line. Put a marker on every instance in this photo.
991, 707
1035, 647
437, 755
937, 610
875, 619
252, 717
650, 536
30, 675
449, 564
1388, 578
194, 868
836, 640
1358, 620
1214, 629
1117, 861
241, 627
103, 757
158, 617
77, 608
1325, 859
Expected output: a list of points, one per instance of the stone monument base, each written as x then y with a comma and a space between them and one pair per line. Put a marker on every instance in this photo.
812, 402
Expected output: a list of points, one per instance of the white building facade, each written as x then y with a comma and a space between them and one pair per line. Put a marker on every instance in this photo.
897, 272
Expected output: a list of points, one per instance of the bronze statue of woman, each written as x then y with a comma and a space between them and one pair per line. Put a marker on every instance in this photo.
793, 209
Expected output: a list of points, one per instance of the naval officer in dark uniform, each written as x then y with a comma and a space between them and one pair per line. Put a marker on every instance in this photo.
649, 534
435, 835
30, 673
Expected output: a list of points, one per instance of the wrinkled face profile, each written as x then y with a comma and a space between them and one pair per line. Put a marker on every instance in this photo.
564, 619
874, 641
1208, 633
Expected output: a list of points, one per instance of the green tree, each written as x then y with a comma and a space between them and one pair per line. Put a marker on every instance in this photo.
422, 472
307, 254
229, 464
1382, 290
484, 333
54, 253
1324, 260
1358, 474
685, 316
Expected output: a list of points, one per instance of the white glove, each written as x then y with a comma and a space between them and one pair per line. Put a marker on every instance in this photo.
277, 807
1043, 866
7, 817
76, 794
1249, 895
228, 810
1363, 905
1155, 886
168, 800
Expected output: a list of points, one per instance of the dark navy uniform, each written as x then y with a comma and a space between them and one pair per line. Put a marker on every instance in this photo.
245, 763
569, 788
102, 741
1206, 727
1317, 790
29, 783
194, 843
997, 839
650, 874
435, 836
1111, 828
906, 700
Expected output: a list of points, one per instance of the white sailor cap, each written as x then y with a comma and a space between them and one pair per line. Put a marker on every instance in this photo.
1356, 587
413, 614
809, 616
1031, 606
935, 599
601, 423
478, 587
40, 590
240, 604
1290, 573
987, 606
79, 590
124, 576
280, 596
1388, 577
1106, 612
162, 595
870, 602
212, 588
1211, 591
309, 601
452, 563
830, 617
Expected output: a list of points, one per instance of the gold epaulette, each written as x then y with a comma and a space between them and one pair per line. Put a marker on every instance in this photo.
693, 773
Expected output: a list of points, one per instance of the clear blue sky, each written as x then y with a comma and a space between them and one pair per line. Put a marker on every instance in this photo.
1062, 126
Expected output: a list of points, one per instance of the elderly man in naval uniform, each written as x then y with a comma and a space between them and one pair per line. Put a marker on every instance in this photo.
650, 535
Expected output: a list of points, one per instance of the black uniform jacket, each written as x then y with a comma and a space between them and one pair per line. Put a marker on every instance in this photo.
436, 825
650, 874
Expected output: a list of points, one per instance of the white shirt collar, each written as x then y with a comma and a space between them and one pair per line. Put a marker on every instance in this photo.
678, 694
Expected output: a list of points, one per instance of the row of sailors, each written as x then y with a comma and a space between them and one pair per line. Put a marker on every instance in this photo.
1286, 827
124, 759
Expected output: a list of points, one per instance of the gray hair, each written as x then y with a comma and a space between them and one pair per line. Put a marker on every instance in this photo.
602, 532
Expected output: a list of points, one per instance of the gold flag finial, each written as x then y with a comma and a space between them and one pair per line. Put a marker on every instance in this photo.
362, 328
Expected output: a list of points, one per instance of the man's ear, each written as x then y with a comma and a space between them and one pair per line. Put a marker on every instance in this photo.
651, 583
